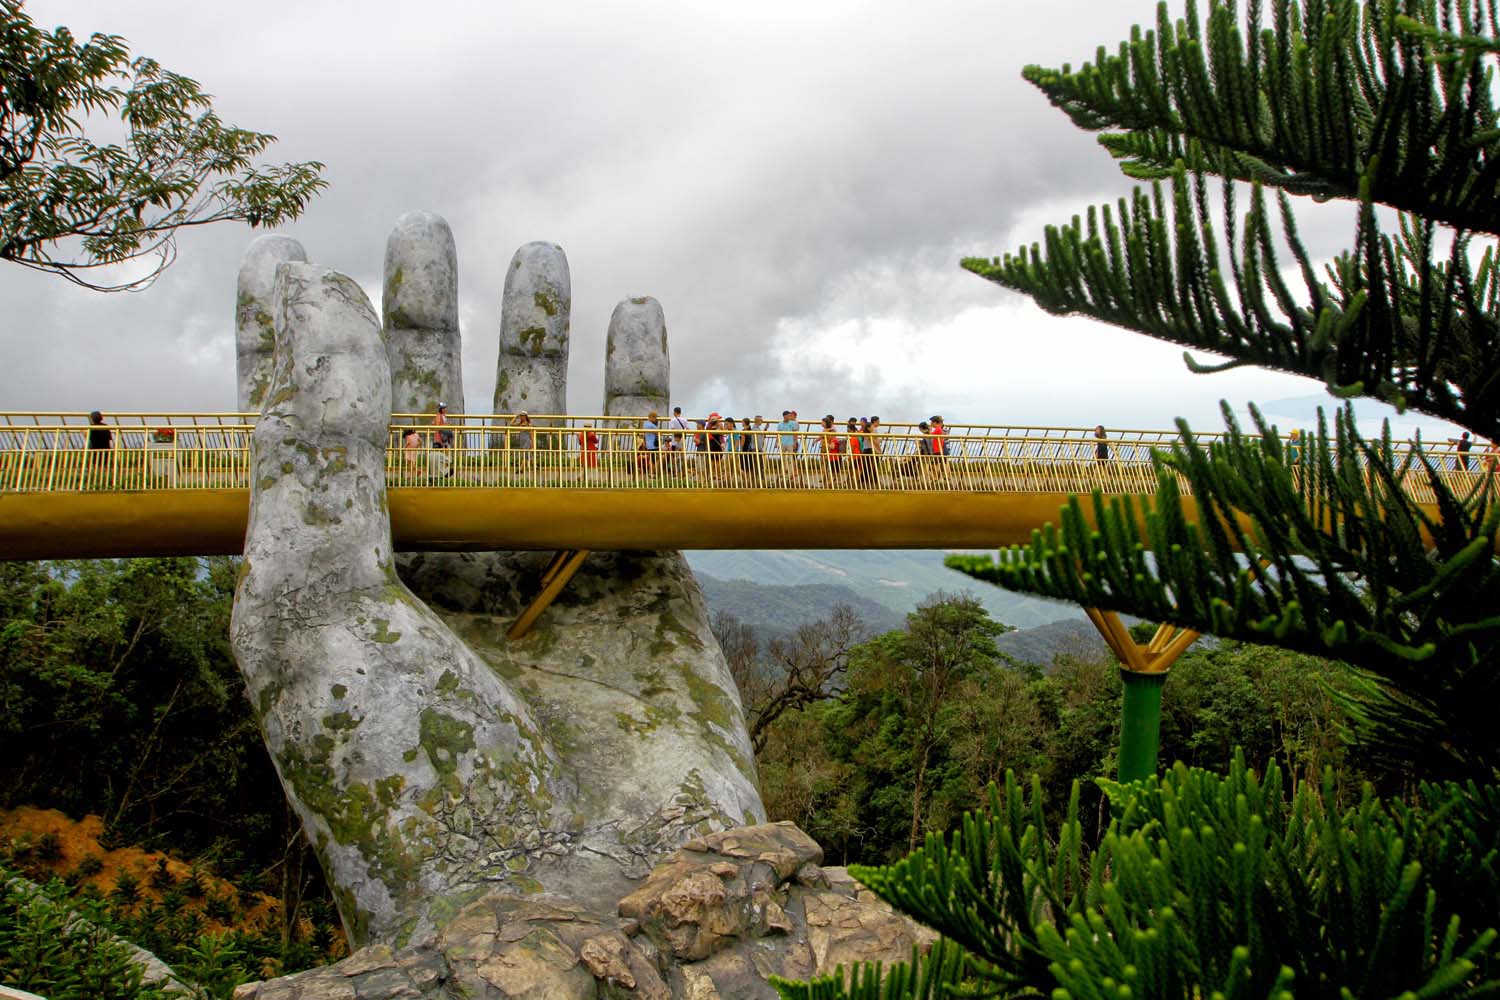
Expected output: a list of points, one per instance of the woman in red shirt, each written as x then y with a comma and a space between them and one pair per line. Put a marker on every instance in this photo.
832, 450
589, 442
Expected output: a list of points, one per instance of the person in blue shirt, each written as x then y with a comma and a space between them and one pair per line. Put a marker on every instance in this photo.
653, 440
787, 444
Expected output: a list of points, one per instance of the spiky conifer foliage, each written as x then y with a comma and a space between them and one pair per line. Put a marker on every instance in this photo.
1387, 102
1203, 886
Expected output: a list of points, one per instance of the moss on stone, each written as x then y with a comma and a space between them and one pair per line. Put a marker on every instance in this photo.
388, 790
338, 690
533, 338
267, 697
716, 715
545, 302
340, 721
383, 632
654, 717
317, 517
448, 683
356, 816
445, 907
444, 739
652, 682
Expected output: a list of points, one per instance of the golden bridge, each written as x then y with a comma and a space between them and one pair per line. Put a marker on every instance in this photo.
178, 484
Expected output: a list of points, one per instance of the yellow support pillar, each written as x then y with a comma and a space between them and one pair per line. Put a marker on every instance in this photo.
554, 578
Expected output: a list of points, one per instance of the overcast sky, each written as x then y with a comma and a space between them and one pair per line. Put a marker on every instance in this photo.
794, 181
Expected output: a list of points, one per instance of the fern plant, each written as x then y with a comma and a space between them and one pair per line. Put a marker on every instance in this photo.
1203, 886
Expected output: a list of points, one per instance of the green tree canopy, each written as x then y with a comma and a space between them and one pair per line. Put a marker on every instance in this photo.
1387, 102
70, 204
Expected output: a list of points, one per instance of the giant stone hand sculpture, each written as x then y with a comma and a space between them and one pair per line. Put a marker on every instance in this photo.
432, 761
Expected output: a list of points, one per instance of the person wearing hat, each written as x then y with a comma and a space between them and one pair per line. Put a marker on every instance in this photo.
440, 438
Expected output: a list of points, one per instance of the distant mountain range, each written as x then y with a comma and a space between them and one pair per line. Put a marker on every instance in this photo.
898, 579
774, 592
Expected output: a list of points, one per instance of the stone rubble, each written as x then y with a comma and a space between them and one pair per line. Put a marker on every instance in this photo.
712, 922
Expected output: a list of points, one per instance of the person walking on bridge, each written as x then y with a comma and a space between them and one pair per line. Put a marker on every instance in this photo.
832, 453
101, 447
651, 443
787, 446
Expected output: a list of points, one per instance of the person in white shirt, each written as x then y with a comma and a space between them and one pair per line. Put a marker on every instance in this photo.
676, 440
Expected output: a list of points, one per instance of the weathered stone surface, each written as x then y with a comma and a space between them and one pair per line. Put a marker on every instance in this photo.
848, 924
719, 888
416, 771
502, 946
254, 324
420, 308
532, 371
637, 365
628, 686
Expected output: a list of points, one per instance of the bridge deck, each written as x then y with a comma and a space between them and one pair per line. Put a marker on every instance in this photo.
179, 484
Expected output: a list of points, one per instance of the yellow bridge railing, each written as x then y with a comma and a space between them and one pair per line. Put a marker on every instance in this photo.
179, 451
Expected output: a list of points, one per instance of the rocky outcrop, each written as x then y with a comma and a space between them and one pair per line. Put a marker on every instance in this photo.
432, 761
254, 328
532, 371
637, 365
712, 922
420, 309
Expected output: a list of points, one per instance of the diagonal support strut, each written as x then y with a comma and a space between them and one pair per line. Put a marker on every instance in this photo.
554, 578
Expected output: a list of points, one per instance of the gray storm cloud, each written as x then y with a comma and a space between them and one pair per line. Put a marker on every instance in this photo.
770, 176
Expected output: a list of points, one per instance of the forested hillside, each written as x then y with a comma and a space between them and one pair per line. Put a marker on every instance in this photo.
120, 700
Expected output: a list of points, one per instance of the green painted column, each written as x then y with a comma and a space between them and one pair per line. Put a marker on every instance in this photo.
1140, 724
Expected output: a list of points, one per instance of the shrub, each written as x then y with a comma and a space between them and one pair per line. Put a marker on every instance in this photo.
127, 890
1206, 885
221, 907
44, 951
161, 876
49, 847
194, 884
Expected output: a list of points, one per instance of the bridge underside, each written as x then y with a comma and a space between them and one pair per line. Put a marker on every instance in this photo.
87, 525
